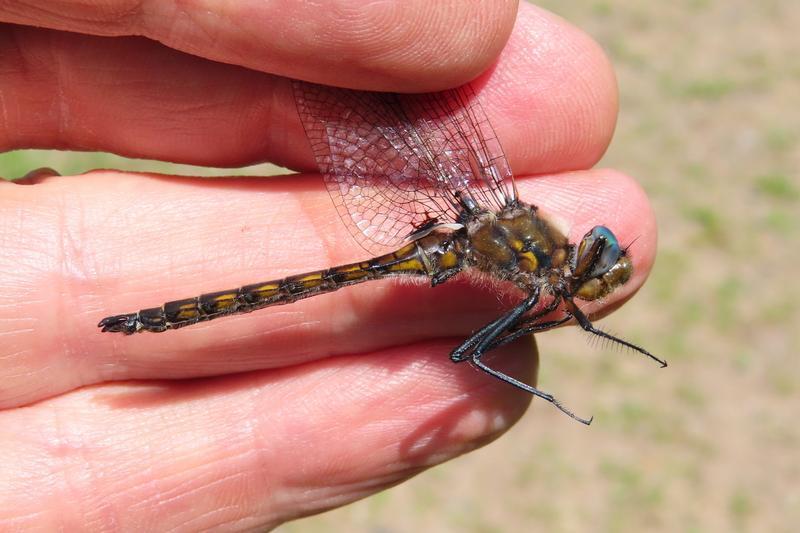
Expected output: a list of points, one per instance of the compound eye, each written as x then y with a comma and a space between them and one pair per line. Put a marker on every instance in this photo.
597, 253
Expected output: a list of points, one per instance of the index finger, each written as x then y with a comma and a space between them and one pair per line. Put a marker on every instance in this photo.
551, 98
407, 45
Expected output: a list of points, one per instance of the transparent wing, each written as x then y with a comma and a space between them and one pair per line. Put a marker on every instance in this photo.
393, 162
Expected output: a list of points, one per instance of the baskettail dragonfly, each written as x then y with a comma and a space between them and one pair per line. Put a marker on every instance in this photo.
425, 176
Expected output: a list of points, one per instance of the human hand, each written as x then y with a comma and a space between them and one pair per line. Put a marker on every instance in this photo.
295, 409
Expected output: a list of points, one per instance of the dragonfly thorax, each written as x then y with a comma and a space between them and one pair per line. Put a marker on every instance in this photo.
516, 242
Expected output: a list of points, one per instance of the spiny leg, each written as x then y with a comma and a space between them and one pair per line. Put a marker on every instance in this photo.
461, 353
519, 329
528, 325
527, 330
486, 339
587, 325
476, 360
493, 328
510, 320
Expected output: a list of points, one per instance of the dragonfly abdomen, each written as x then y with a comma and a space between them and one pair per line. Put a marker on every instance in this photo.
421, 258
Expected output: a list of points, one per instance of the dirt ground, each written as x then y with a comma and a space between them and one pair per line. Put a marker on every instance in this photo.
710, 124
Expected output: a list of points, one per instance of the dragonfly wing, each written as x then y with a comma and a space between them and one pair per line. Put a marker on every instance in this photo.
393, 162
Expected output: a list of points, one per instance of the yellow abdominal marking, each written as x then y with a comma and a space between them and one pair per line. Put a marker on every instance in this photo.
266, 291
224, 301
353, 272
314, 276
409, 264
187, 311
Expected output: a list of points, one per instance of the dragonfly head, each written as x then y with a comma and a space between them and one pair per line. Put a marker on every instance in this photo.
599, 265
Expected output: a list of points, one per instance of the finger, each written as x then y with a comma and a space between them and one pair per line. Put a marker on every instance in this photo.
249, 451
77, 249
551, 98
413, 45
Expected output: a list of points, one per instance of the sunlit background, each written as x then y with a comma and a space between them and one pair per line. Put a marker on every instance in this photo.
710, 124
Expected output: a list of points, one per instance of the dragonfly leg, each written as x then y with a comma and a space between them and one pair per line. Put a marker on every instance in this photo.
476, 360
526, 330
489, 337
444, 275
462, 352
493, 329
528, 325
515, 331
587, 325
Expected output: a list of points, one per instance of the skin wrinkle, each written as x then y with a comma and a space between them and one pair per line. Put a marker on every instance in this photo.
183, 24
58, 443
164, 14
262, 427
19, 399
118, 17
14, 330
3, 108
252, 428
181, 494
94, 502
169, 485
25, 358
133, 16
380, 34
63, 263
302, 499
11, 65
369, 382
19, 521
61, 103
207, 520
159, 497
592, 101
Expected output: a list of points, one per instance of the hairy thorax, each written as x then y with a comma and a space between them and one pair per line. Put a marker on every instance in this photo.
516, 244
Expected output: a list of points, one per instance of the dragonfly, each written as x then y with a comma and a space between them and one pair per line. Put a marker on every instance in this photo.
422, 183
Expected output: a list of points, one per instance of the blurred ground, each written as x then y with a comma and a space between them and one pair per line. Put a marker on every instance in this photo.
710, 124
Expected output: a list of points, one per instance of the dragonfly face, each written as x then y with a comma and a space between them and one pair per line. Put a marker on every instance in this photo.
599, 265
422, 182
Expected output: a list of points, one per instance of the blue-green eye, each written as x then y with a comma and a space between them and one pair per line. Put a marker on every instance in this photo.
601, 260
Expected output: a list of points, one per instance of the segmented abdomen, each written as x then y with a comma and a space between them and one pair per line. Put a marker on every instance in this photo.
416, 258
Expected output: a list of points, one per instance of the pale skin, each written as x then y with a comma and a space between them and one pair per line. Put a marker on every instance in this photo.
300, 408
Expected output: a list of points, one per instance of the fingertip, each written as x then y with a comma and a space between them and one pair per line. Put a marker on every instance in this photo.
412, 403
553, 100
